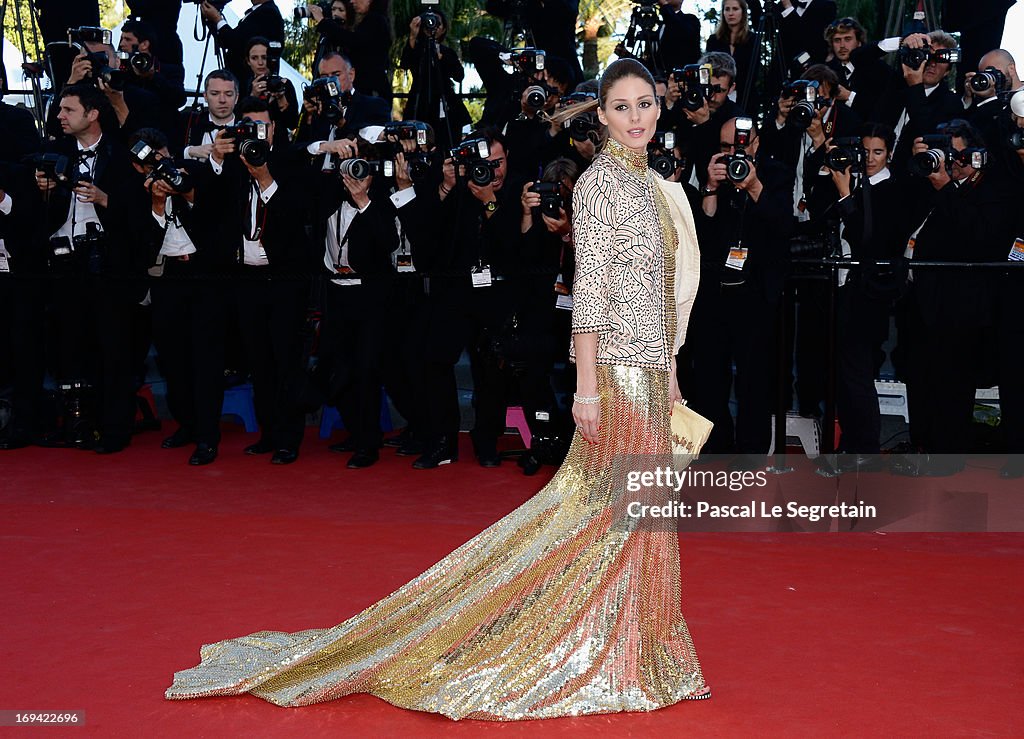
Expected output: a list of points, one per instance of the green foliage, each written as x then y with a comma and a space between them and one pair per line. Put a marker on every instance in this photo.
866, 11
112, 12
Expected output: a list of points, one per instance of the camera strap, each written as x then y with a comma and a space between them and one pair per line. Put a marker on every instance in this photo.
256, 225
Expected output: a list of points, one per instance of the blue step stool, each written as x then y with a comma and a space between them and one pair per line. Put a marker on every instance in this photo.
330, 419
238, 402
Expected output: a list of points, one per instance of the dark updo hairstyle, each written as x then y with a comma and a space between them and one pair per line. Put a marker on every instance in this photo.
620, 69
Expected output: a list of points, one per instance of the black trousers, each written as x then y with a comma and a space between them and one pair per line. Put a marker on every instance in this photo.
1010, 338
809, 340
93, 317
941, 386
271, 314
23, 301
402, 358
735, 324
354, 332
863, 324
188, 331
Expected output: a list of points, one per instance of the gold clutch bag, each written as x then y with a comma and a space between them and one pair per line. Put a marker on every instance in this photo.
690, 431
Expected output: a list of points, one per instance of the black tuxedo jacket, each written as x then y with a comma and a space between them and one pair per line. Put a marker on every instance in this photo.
20, 140
418, 106
362, 111
553, 23
870, 78
926, 113
742, 54
263, 20
128, 204
876, 234
800, 33
284, 234
680, 40
368, 45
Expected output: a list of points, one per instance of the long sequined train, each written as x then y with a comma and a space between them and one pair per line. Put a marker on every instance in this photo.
558, 609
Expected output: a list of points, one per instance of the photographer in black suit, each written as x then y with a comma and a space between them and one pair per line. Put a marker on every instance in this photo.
359, 113
163, 16
260, 220
89, 232
57, 16
744, 259
680, 35
355, 228
873, 229
802, 28
962, 214
188, 305
21, 290
366, 40
467, 263
165, 80
262, 19
200, 125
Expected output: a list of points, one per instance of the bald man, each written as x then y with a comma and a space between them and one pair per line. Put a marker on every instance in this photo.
987, 110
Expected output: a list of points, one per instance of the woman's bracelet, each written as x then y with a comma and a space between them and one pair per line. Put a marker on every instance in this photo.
586, 400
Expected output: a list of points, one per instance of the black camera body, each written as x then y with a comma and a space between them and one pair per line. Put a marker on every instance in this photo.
1016, 139
473, 155
916, 58
660, 154
82, 251
136, 61
252, 140
989, 78
417, 131
113, 77
739, 164
809, 102
694, 82
327, 90
848, 153
942, 154
582, 126
163, 168
551, 202
420, 165
302, 12
56, 167
526, 61
645, 16
359, 169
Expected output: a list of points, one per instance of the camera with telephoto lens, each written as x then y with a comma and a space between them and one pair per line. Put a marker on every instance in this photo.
694, 81
738, 164
136, 61
359, 169
940, 154
848, 154
87, 249
1016, 139
327, 91
417, 131
302, 12
275, 82
582, 126
252, 140
472, 154
989, 78
915, 58
160, 167
551, 202
809, 102
660, 156
526, 61
537, 96
420, 165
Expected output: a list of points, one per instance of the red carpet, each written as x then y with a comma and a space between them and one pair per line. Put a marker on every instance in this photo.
116, 570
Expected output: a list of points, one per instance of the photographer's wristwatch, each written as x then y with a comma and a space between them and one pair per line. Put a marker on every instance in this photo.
491, 206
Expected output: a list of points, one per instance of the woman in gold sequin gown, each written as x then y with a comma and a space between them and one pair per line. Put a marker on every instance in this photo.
559, 608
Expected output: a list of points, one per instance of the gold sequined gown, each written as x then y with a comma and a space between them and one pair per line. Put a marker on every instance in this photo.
558, 609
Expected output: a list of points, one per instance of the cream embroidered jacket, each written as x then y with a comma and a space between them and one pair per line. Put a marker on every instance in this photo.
619, 287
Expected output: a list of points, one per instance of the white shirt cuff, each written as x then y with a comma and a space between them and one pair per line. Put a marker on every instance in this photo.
314, 148
221, 23
849, 100
787, 11
371, 133
6, 205
889, 44
161, 221
267, 194
217, 168
189, 154
403, 197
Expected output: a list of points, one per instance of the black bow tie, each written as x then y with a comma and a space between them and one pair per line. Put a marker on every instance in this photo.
801, 4
85, 155
211, 126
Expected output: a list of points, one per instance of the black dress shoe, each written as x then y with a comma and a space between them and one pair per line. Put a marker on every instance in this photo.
260, 447
833, 465
109, 446
488, 459
363, 458
343, 447
399, 440
411, 447
284, 456
204, 454
14, 441
530, 464
179, 438
440, 453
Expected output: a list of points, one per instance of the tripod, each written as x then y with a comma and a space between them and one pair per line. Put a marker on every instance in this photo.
432, 77
32, 70
642, 37
517, 33
897, 10
768, 60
